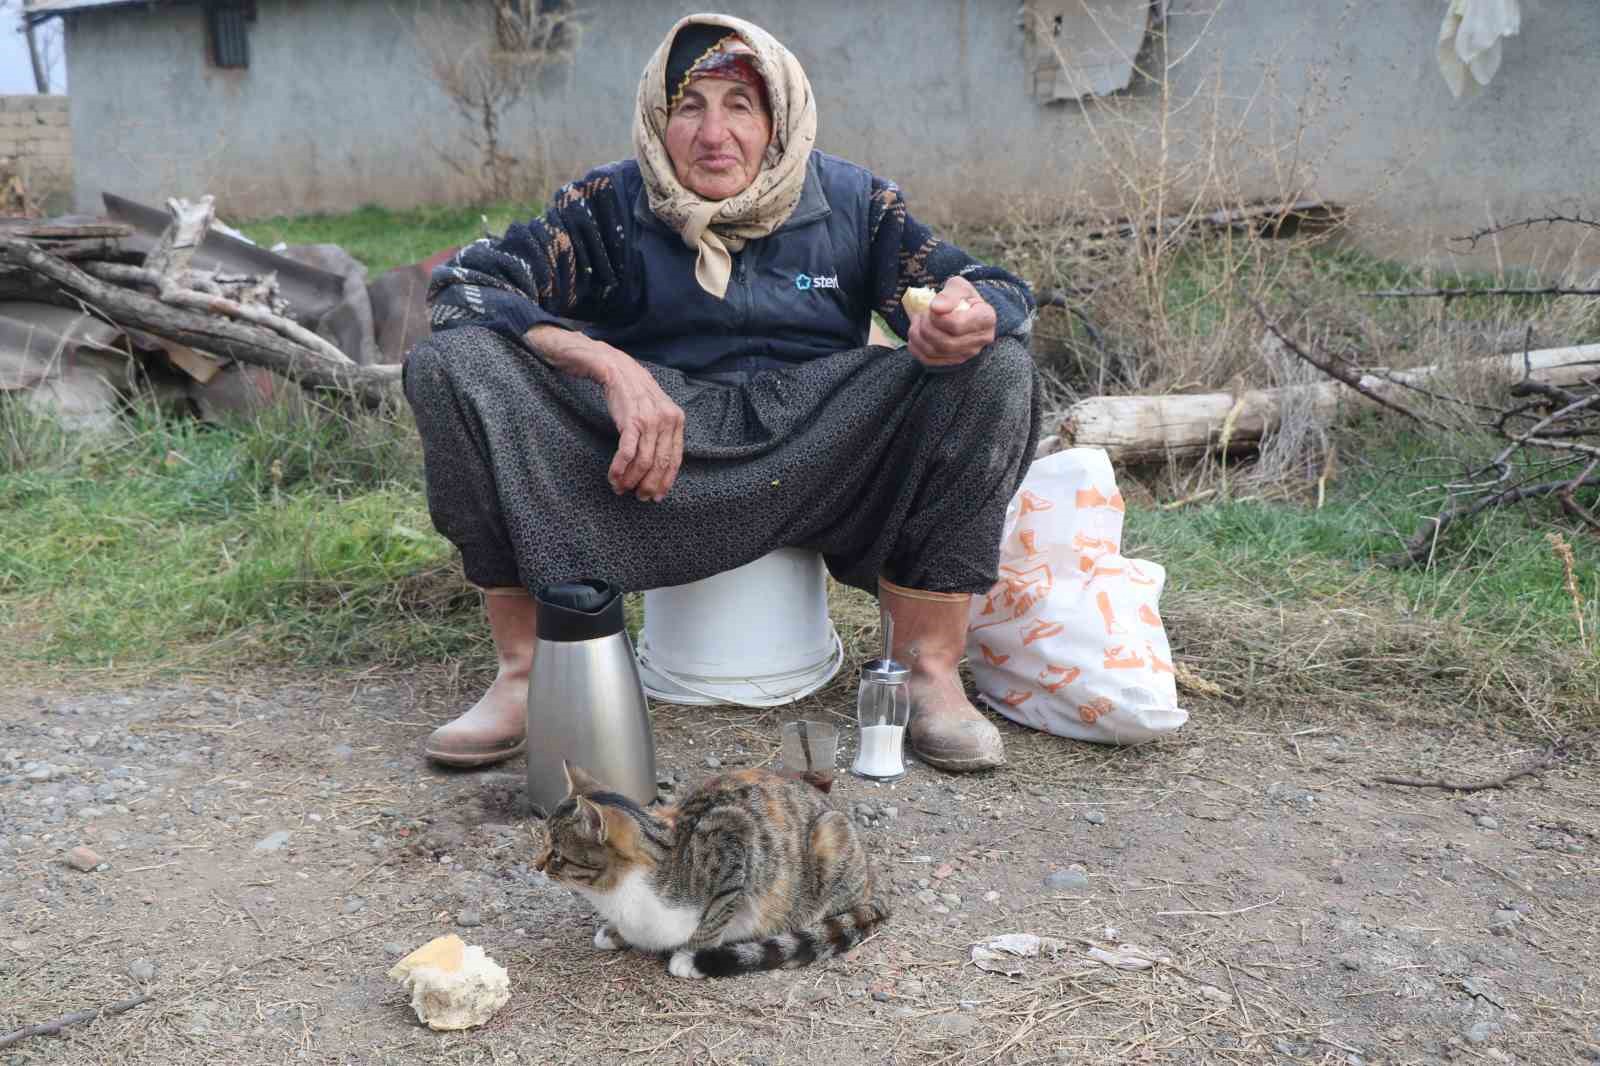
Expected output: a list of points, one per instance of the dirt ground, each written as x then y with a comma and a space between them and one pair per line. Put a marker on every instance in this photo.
270, 847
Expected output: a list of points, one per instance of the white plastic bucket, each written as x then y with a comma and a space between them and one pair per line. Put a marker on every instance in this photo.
757, 636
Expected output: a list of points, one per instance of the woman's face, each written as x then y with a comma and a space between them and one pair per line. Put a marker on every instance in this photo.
717, 137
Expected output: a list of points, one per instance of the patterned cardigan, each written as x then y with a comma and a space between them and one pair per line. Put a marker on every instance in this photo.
584, 263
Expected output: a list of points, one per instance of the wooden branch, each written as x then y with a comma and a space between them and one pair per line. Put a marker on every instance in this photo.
17, 1036
126, 274
1420, 547
1472, 239
1451, 294
182, 237
1339, 373
1576, 510
87, 248
199, 290
1543, 763
1140, 428
169, 261
68, 231
243, 341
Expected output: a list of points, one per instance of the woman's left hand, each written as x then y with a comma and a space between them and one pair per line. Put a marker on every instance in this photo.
959, 324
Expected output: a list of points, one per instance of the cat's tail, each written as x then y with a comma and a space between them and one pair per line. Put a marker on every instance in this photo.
836, 935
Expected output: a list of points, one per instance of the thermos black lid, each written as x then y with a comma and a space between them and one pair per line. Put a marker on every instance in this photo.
578, 610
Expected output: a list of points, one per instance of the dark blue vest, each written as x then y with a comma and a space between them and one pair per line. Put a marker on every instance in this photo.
797, 294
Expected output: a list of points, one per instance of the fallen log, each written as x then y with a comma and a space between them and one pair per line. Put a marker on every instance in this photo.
1145, 428
256, 345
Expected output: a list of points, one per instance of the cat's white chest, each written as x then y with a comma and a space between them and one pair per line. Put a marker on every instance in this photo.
643, 918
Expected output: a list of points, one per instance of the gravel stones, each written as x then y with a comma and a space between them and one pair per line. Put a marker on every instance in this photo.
1504, 919
469, 919
142, 971
1072, 879
83, 858
273, 841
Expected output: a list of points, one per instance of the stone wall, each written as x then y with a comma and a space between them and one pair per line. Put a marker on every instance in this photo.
36, 143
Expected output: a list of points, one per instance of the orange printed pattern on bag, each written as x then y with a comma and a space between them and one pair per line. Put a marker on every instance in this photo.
1158, 664
1033, 502
1093, 497
1041, 630
1053, 677
1025, 537
992, 657
1122, 657
1147, 616
1095, 709
1137, 575
1017, 592
1096, 545
1016, 697
1102, 600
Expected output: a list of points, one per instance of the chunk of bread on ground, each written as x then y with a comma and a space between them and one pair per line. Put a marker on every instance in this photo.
453, 985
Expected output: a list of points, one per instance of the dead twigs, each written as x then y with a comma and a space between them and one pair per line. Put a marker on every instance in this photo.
17, 1036
1452, 294
1339, 373
244, 341
1549, 759
1420, 547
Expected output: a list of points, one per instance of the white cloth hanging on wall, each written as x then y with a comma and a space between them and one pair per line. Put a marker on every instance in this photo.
1469, 41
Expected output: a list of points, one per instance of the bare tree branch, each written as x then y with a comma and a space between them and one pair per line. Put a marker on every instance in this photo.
1338, 373
1452, 294
1420, 547
1472, 239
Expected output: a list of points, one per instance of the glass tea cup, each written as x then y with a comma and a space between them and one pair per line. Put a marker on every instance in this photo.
808, 751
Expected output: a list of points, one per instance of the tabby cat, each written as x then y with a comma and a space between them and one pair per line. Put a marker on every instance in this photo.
752, 871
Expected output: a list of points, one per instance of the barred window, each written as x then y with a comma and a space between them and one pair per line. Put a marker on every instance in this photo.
227, 33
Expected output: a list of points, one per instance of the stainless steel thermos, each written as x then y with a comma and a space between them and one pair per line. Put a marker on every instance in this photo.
585, 700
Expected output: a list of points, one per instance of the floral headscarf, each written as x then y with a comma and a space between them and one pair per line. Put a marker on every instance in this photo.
718, 228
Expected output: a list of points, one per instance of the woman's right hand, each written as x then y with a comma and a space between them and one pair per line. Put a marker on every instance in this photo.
649, 425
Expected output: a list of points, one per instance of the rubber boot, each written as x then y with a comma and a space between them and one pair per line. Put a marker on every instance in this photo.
930, 636
495, 728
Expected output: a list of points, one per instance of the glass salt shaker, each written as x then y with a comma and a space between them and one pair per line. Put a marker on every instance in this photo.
883, 710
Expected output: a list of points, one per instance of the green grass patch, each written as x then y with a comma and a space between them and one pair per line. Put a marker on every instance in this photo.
1495, 572
382, 237
300, 537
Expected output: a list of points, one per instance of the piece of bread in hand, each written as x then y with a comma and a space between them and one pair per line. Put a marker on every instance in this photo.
917, 301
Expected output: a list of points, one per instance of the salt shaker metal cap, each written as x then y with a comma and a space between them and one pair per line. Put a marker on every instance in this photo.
885, 672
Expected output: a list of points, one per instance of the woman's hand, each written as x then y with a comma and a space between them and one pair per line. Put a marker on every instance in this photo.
959, 324
650, 425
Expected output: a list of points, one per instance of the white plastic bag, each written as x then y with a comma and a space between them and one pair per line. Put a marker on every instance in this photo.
1069, 640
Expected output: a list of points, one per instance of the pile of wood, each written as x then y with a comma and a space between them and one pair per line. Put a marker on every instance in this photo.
208, 314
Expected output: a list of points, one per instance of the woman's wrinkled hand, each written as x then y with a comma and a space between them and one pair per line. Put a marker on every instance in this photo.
649, 424
650, 451
958, 325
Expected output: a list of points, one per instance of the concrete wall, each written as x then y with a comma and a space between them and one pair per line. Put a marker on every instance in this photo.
36, 140
1340, 101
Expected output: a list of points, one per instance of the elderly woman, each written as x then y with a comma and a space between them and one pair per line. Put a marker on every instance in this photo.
667, 377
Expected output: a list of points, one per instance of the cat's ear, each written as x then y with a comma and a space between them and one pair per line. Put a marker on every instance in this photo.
591, 821
579, 783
